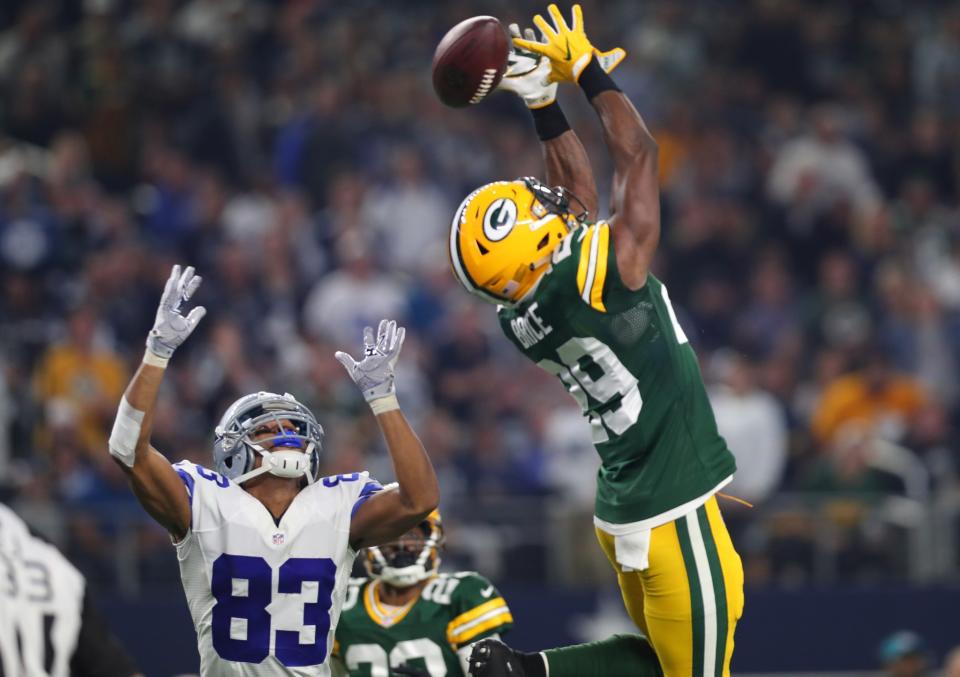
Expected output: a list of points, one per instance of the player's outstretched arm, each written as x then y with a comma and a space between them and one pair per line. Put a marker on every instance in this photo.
154, 481
636, 190
389, 514
530, 76
636, 193
568, 166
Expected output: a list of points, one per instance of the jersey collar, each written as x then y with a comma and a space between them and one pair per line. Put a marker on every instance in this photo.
376, 611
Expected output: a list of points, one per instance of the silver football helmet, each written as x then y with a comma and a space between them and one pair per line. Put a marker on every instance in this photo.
294, 449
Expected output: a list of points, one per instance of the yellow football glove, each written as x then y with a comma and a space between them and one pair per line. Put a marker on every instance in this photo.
567, 47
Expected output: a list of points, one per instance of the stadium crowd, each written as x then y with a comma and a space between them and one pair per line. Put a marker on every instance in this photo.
295, 154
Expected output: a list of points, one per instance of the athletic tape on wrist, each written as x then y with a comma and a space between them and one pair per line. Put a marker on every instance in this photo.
384, 404
125, 433
155, 360
549, 121
594, 80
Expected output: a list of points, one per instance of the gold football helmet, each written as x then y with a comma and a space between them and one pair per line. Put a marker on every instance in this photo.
412, 558
503, 234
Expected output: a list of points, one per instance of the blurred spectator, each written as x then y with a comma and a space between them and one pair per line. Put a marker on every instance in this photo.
876, 395
79, 381
904, 654
936, 63
915, 333
835, 312
859, 463
951, 664
360, 294
410, 216
933, 438
752, 423
567, 446
823, 170
854, 482
770, 321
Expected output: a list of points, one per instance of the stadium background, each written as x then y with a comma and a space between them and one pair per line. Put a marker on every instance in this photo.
295, 154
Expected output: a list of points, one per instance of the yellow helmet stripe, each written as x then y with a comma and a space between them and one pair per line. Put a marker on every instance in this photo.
600, 277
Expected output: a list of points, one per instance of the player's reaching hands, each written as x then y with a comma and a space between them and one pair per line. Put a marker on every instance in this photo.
528, 74
374, 373
567, 47
171, 328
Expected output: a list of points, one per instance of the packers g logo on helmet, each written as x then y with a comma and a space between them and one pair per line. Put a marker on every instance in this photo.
499, 219
503, 235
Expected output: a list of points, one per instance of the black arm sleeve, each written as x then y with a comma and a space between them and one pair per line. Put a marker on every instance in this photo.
98, 652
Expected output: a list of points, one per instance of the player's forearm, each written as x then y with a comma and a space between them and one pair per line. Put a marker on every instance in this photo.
624, 131
419, 491
141, 395
567, 165
130, 437
153, 480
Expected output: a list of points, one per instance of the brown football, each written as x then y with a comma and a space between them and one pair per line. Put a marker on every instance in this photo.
470, 60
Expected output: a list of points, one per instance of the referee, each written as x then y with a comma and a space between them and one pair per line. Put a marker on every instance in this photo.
48, 626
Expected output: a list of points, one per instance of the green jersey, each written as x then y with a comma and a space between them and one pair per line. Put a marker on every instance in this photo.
452, 612
625, 359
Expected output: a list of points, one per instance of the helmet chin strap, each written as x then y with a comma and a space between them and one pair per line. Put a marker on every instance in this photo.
288, 463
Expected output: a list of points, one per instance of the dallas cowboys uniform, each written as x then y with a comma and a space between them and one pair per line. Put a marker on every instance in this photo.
265, 594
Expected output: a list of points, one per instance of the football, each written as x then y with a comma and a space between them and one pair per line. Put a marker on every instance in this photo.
470, 60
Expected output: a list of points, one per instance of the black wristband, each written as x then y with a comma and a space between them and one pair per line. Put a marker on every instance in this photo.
594, 80
549, 121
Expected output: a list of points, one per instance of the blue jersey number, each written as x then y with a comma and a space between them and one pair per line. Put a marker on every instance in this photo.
215, 477
241, 623
334, 480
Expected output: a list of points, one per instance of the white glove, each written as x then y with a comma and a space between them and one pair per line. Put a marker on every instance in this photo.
528, 74
171, 328
374, 374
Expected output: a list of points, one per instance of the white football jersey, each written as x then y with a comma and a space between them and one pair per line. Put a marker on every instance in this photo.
41, 603
265, 596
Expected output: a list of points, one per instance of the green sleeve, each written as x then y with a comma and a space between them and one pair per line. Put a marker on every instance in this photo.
479, 611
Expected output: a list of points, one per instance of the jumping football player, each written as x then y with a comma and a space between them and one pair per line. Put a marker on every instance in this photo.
265, 545
578, 299
406, 618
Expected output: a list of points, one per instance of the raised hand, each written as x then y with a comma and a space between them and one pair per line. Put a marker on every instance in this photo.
528, 74
374, 373
171, 328
567, 47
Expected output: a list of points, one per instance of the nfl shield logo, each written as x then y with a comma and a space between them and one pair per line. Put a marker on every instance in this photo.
278, 539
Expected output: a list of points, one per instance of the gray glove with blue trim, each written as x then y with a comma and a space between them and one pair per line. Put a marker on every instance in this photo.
374, 374
171, 328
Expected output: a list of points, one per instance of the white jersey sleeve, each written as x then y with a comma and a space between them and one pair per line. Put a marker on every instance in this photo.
265, 594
